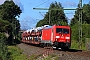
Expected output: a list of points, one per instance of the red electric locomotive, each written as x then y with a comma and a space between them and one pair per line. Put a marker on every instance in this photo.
58, 36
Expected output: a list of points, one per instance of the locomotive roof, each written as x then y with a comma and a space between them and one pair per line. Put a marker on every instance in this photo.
48, 27
57, 26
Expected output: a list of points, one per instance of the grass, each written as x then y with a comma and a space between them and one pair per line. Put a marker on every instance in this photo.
75, 45
51, 56
16, 53
33, 57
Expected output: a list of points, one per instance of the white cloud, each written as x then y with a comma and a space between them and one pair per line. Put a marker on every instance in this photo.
71, 4
1, 1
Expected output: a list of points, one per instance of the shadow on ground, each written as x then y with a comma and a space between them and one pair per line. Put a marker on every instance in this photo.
70, 50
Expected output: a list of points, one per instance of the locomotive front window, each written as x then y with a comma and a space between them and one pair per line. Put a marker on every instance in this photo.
62, 30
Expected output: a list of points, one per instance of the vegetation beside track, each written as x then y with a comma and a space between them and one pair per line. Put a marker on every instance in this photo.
16, 53
51, 57
75, 45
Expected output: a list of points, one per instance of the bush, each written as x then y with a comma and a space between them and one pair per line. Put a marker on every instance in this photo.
3, 47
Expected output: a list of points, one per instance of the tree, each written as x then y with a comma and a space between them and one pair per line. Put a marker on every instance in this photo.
8, 12
85, 23
9, 26
56, 16
41, 23
85, 15
5, 26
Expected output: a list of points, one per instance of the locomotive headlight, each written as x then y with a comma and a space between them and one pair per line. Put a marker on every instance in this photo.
67, 37
57, 36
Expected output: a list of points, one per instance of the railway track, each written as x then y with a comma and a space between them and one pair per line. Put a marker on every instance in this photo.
71, 54
31, 50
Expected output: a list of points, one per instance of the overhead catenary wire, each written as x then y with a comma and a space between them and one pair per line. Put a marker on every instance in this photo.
42, 3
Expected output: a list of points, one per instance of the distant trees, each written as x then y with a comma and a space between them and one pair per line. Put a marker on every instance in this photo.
56, 16
85, 15
85, 23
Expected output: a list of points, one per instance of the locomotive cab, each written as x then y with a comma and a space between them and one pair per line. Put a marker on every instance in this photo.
62, 37
57, 36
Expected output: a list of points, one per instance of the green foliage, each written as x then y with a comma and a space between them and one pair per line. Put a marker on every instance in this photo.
75, 32
85, 32
3, 47
5, 26
51, 57
85, 15
85, 25
55, 16
16, 53
41, 23
33, 57
8, 21
17, 39
9, 25
9, 11
75, 45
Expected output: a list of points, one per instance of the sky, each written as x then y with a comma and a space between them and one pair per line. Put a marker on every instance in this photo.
29, 17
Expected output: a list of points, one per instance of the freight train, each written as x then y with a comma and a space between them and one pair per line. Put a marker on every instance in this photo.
56, 35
